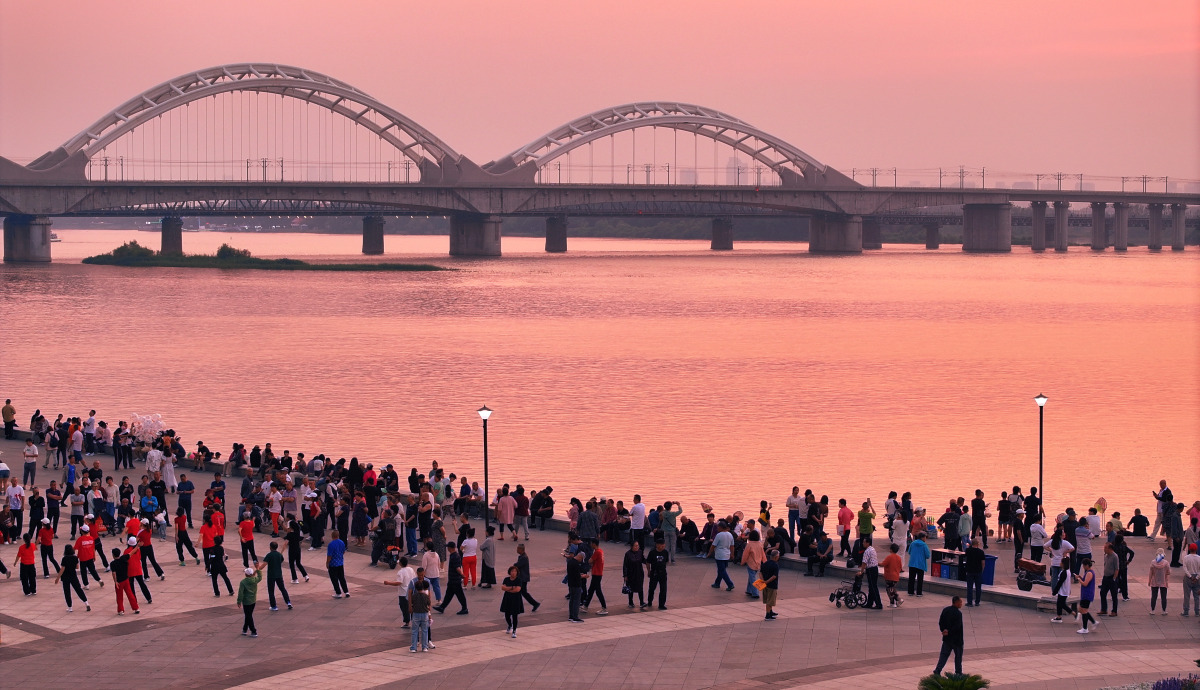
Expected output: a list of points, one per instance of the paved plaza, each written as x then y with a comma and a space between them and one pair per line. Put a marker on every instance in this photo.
706, 639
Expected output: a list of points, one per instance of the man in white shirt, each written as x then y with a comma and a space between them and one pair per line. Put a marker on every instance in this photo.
404, 576
154, 461
795, 504
1191, 579
637, 521
721, 551
16, 503
77, 445
89, 433
30, 452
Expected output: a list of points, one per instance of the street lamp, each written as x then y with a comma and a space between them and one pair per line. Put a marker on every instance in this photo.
1041, 402
484, 413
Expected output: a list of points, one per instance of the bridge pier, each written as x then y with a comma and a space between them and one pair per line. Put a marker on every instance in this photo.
722, 234
872, 230
27, 239
172, 235
1155, 241
1062, 210
933, 235
1178, 234
835, 234
372, 234
1037, 241
987, 227
1120, 226
1099, 234
556, 234
474, 235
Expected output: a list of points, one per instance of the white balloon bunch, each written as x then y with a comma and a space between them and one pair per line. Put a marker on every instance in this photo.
146, 427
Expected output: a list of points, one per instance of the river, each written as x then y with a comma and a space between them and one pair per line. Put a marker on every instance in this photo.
651, 366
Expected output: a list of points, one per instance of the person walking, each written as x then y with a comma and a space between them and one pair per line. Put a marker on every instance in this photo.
335, 564
404, 576
523, 567
487, 553
892, 565
247, 596
217, 567
596, 576
1160, 577
454, 581
721, 551
1060, 587
1109, 584
1087, 593
295, 542
246, 537
45, 537
274, 561
85, 550
70, 578
753, 556
770, 578
657, 560
26, 560
950, 623
136, 570
30, 453
182, 539
511, 604
122, 587
146, 550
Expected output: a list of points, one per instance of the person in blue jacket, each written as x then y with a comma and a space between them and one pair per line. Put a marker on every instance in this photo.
918, 564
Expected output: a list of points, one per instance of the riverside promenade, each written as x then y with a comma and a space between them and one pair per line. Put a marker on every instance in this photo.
707, 639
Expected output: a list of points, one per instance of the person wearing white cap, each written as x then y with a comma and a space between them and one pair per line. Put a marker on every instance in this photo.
136, 572
45, 538
247, 596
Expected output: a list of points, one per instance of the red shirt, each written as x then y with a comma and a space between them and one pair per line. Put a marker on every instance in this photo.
144, 537
132, 527
85, 547
46, 536
208, 536
598, 562
135, 560
891, 567
246, 530
181, 523
27, 553
218, 520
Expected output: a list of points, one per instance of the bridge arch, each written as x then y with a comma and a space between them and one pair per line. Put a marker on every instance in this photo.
413, 141
793, 166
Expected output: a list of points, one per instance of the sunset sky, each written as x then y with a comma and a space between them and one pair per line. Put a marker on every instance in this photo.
1104, 88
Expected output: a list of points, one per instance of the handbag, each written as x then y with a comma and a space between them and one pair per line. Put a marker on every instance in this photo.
625, 589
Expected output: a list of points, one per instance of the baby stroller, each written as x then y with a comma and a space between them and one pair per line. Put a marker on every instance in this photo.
850, 593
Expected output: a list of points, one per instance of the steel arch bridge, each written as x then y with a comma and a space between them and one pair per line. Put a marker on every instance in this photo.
794, 167
415, 142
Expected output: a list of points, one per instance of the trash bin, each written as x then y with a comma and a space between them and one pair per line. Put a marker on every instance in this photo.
989, 570
945, 572
931, 531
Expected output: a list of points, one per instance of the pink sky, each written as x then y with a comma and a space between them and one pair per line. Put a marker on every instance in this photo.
1100, 87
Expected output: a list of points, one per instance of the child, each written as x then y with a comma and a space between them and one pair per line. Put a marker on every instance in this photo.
892, 565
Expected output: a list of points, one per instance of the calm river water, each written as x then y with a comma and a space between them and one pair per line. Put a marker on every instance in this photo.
651, 366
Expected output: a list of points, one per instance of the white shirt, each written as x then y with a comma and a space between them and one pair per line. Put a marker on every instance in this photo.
15, 495
1191, 565
77, 441
404, 576
795, 502
637, 516
470, 547
1037, 535
89, 425
154, 460
30, 453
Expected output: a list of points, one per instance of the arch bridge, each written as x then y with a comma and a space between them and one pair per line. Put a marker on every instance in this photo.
264, 138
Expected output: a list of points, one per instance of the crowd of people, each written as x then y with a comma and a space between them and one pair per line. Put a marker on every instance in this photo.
421, 524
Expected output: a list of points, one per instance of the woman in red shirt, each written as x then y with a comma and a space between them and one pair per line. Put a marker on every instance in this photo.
208, 539
26, 559
182, 540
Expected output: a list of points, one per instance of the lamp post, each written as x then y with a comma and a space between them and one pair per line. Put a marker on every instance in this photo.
484, 413
1041, 402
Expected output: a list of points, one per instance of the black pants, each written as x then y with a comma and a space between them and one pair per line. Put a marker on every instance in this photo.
183, 541
454, 588
595, 591
89, 566
76, 523
70, 582
187, 511
337, 575
873, 599
527, 596
272, 583
48, 553
28, 578
916, 580
248, 619
148, 555
1035, 553
18, 519
54, 515
944, 656
510, 619
1155, 593
1108, 586
845, 543
1123, 583
294, 564
248, 553
140, 581
574, 596
404, 609
660, 582
228, 584
1176, 550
